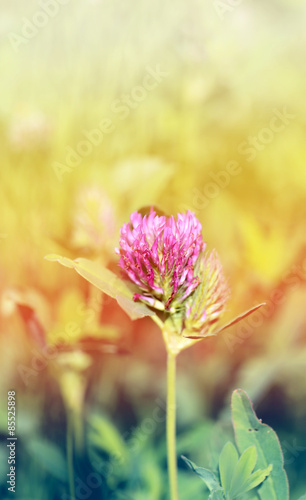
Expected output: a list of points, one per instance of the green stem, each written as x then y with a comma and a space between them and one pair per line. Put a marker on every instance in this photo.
171, 426
70, 454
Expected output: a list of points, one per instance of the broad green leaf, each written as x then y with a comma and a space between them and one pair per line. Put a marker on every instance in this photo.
227, 464
250, 431
243, 470
206, 475
303, 497
107, 282
53, 257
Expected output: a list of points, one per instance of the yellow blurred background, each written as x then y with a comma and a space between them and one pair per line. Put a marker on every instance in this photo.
108, 106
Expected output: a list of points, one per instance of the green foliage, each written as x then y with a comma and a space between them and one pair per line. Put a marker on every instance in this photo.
145, 479
227, 464
259, 465
122, 465
105, 436
250, 431
236, 474
48, 456
106, 281
209, 479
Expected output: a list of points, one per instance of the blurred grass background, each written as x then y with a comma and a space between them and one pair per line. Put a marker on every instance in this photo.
229, 70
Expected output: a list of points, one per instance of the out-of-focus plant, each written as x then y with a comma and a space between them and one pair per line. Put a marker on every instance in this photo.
169, 277
65, 347
93, 219
236, 474
260, 450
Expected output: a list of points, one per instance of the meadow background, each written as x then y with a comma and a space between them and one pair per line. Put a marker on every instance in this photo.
221, 132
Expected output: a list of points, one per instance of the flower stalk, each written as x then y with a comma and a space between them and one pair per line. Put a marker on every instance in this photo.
176, 283
171, 425
70, 461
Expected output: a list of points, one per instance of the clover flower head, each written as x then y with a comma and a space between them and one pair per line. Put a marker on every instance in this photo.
206, 305
159, 255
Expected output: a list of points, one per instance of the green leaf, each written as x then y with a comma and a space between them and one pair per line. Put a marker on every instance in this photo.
243, 470
190, 487
227, 463
48, 456
105, 436
152, 479
206, 475
216, 495
256, 478
251, 495
106, 281
227, 325
240, 317
250, 431
303, 497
